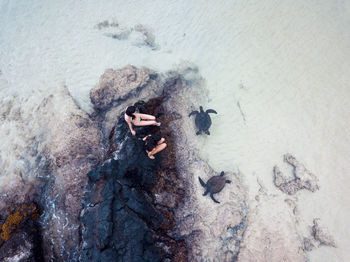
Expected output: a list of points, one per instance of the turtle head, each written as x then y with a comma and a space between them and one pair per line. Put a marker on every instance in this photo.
201, 109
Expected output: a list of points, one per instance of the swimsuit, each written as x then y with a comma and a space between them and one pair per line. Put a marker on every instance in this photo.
132, 120
140, 119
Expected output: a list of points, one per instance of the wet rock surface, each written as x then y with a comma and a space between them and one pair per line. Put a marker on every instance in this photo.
75, 145
301, 178
65, 145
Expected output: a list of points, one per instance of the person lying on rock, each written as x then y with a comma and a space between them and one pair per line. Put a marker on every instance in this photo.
138, 119
154, 144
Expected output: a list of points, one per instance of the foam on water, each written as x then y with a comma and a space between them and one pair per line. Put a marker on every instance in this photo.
277, 74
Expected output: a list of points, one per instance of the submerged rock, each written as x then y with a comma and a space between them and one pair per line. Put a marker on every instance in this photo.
142, 34
321, 235
301, 179
271, 233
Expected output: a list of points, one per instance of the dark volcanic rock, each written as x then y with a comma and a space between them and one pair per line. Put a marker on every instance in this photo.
120, 217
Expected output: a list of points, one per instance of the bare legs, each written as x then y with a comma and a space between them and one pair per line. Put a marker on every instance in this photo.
147, 123
162, 140
148, 117
160, 146
147, 120
157, 149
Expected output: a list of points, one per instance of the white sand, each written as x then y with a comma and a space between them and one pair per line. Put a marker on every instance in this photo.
286, 63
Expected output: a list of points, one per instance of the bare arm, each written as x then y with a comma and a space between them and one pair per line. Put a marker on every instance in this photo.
130, 126
144, 139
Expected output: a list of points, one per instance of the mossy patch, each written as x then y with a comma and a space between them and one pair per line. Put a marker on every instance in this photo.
16, 216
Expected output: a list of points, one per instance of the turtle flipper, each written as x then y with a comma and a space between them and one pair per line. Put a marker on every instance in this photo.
212, 197
202, 182
228, 181
207, 132
222, 173
199, 132
206, 192
193, 113
211, 111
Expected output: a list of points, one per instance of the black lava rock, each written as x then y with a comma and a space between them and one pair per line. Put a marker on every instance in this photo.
120, 220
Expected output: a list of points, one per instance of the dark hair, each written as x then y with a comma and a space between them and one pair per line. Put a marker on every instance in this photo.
141, 106
130, 111
156, 137
152, 141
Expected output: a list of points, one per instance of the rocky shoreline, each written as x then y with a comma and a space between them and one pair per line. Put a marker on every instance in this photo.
96, 196
122, 221
81, 209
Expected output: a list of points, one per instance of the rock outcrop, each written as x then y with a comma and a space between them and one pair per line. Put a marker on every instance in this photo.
122, 217
191, 226
301, 179
117, 85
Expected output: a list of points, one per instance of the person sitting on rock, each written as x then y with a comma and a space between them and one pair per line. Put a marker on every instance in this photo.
154, 144
138, 119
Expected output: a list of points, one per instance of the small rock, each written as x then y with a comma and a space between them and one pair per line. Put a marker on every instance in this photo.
320, 235
301, 179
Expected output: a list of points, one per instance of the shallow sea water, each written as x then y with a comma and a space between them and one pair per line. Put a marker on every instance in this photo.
276, 72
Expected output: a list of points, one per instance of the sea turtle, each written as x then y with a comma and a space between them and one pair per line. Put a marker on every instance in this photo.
214, 185
203, 121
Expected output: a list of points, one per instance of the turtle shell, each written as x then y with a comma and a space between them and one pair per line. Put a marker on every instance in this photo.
216, 184
203, 121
